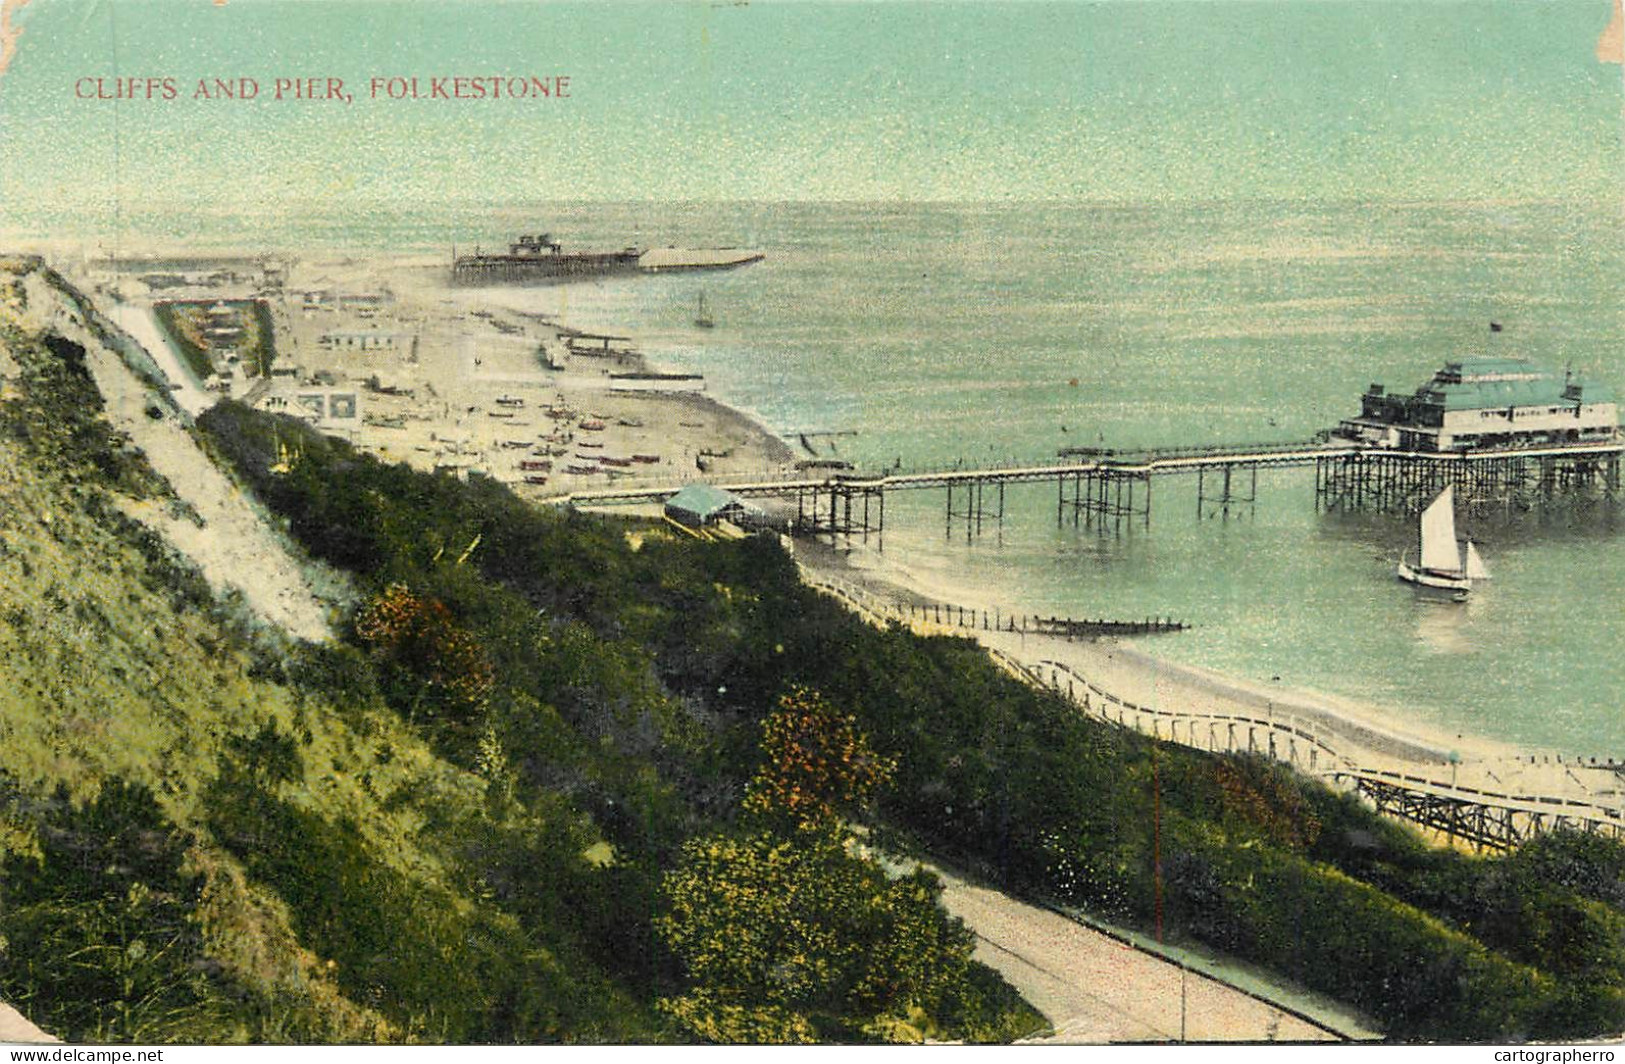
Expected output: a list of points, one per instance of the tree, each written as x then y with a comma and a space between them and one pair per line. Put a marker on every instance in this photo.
785, 937
789, 934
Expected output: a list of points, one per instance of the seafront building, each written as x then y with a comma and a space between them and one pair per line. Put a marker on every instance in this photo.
1485, 402
699, 505
364, 340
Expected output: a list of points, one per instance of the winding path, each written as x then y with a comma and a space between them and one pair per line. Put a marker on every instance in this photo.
1095, 988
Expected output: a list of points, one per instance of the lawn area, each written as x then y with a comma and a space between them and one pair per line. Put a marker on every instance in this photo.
200, 328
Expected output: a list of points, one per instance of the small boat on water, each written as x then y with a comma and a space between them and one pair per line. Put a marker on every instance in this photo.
703, 318
1442, 563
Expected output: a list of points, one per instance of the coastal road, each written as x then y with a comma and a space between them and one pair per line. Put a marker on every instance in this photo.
1096, 989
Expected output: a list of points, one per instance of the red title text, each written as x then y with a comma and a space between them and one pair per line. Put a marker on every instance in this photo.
405, 88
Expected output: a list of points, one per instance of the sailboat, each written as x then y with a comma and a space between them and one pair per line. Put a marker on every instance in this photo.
703, 319
1442, 562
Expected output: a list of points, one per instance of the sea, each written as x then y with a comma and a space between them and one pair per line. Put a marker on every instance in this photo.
927, 334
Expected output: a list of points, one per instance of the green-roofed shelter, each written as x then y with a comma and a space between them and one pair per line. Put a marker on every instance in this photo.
1482, 402
1485, 383
699, 505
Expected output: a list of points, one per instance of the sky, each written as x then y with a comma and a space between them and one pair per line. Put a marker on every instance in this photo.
1127, 100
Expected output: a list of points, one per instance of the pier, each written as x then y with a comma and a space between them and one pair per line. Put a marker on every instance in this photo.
1111, 492
539, 259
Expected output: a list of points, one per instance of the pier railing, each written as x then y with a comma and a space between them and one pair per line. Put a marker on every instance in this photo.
1142, 454
1111, 492
788, 477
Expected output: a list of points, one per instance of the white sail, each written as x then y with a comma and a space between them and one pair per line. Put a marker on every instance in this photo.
1438, 534
1474, 565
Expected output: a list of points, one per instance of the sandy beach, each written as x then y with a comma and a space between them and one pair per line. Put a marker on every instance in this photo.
389, 355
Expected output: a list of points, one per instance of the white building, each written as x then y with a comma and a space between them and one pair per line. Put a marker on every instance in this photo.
1486, 403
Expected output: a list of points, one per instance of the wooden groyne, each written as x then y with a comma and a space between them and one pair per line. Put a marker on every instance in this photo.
937, 616
1068, 628
985, 620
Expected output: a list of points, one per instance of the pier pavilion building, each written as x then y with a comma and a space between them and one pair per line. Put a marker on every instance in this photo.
1486, 402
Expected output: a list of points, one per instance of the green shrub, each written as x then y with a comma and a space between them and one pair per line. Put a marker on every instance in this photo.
633, 681
97, 943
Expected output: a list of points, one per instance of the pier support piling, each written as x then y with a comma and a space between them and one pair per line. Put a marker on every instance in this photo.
1404, 482
974, 508
1227, 497
1105, 499
841, 509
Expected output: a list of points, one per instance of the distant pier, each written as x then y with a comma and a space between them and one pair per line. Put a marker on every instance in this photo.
539, 259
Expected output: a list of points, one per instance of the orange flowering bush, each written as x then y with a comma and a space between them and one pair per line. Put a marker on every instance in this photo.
1265, 798
420, 637
817, 761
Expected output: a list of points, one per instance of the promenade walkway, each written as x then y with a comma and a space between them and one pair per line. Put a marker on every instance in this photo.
184, 387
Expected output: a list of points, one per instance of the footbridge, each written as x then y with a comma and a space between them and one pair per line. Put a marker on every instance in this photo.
1111, 490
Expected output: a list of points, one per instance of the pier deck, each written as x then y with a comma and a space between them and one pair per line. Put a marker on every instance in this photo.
1113, 490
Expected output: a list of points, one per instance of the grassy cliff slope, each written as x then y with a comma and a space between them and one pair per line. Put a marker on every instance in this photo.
192, 849
1237, 853
454, 822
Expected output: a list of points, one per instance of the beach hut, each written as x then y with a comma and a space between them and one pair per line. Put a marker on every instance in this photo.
699, 505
